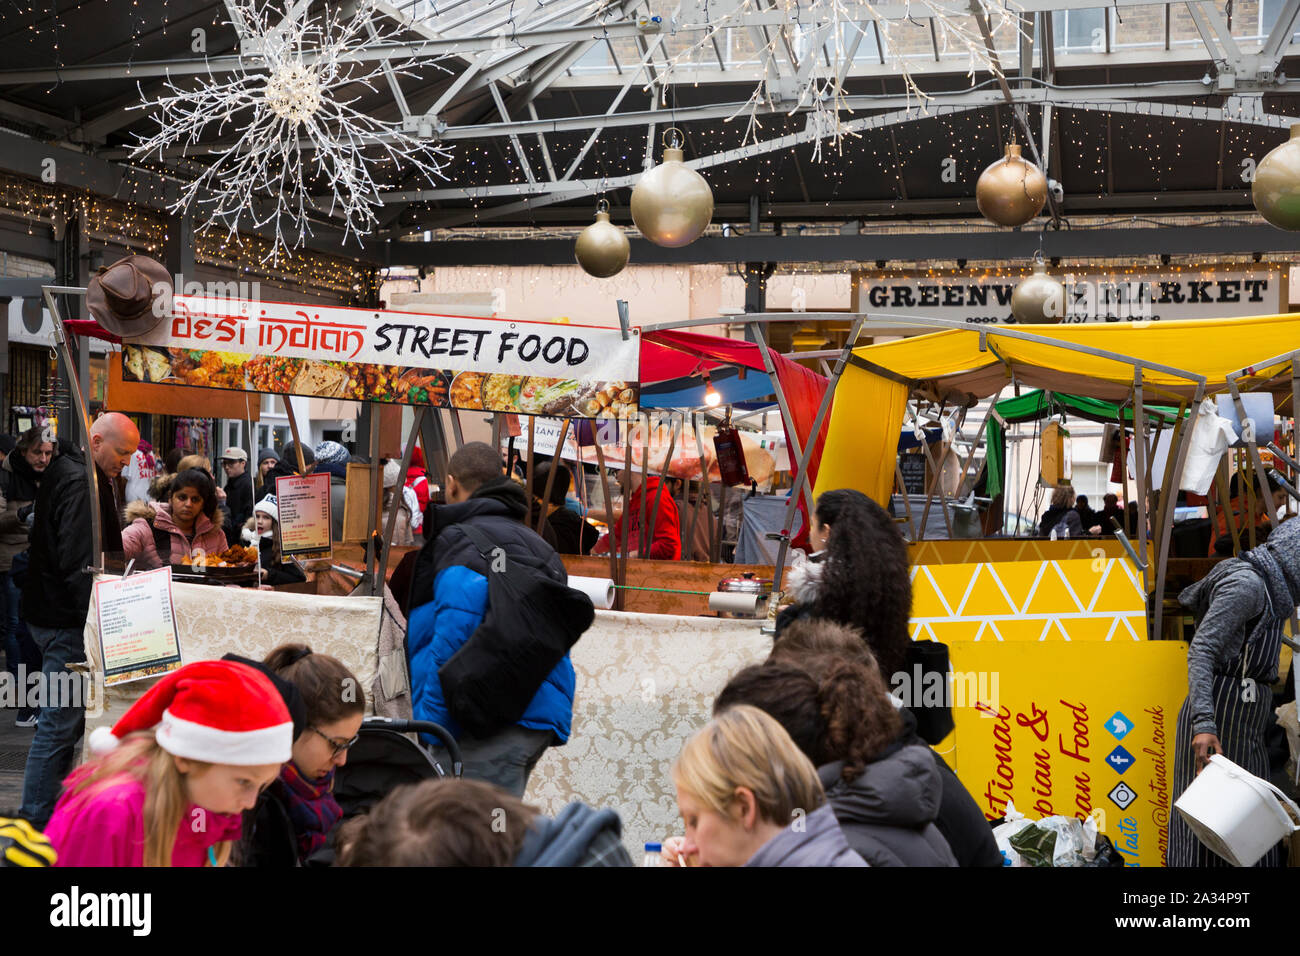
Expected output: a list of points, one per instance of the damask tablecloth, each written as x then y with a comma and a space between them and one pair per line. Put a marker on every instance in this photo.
646, 682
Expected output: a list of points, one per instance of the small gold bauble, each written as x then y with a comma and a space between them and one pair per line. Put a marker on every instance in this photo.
1038, 299
672, 203
1011, 191
1276, 189
602, 249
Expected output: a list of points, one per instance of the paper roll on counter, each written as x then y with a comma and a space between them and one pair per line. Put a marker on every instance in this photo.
600, 590
733, 602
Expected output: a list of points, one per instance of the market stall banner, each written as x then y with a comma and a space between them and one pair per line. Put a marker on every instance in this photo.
1075, 730
1082, 599
397, 357
1090, 297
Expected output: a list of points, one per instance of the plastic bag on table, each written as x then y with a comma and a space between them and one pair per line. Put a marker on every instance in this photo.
1012, 823
1057, 841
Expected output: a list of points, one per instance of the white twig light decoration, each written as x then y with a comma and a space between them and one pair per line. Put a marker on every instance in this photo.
293, 107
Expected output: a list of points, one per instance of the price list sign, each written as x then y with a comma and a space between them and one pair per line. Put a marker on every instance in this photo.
137, 626
304, 525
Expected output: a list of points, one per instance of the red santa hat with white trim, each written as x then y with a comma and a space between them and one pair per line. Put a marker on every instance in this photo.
214, 711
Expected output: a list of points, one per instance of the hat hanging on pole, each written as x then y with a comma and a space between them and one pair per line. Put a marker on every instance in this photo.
1276, 188
1038, 299
602, 249
672, 204
1012, 190
131, 296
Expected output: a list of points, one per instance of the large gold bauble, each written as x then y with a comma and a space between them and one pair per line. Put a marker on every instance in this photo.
672, 203
1011, 191
602, 250
1038, 299
1276, 189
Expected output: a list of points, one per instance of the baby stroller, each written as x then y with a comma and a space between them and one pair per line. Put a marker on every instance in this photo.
384, 758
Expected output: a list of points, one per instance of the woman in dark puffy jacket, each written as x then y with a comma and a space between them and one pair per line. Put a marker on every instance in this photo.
960, 819
884, 793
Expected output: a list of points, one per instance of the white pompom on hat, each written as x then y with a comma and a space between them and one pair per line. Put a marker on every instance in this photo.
214, 711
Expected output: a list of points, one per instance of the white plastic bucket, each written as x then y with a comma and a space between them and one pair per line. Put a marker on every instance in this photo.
1235, 813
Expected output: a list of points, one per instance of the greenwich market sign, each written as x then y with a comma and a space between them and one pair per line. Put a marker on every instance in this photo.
1089, 297
397, 357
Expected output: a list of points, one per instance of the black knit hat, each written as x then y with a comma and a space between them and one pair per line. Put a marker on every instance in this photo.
287, 688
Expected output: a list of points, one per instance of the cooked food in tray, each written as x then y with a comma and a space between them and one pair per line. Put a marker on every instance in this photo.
272, 373
467, 390
417, 386
233, 557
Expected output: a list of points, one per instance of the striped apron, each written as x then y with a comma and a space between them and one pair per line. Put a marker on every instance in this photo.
1241, 726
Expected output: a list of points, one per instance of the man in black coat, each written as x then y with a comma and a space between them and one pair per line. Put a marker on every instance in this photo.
239, 491
56, 599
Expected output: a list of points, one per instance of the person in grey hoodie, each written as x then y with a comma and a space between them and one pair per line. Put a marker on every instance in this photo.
1239, 609
884, 791
748, 797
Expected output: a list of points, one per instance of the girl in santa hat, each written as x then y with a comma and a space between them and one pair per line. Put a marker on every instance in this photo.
176, 772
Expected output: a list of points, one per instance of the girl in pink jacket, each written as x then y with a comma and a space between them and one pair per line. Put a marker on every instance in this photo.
176, 772
186, 523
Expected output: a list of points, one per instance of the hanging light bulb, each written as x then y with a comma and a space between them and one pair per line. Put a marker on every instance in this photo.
711, 396
602, 249
672, 204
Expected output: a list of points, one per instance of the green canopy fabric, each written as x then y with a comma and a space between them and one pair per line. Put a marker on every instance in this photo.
1037, 404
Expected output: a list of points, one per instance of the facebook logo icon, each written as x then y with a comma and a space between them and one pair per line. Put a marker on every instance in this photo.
1119, 759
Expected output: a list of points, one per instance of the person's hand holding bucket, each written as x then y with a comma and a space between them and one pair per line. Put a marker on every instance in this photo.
1203, 745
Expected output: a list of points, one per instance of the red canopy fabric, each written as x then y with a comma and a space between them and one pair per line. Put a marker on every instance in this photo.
91, 328
669, 354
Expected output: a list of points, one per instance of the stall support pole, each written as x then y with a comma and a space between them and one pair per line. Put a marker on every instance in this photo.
456, 432
801, 477
378, 583
621, 581
1168, 479
907, 500
705, 491
645, 473
1252, 444
557, 462
663, 477
935, 483
756, 330
609, 516
297, 441
376, 497
69, 362
528, 469
1139, 453
1168, 501
1225, 502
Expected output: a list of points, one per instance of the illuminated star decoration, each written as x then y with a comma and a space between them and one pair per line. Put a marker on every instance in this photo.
296, 128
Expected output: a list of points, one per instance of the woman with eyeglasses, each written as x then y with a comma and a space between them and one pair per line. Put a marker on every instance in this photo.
297, 813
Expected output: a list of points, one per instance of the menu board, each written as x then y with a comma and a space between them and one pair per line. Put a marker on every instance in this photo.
137, 626
304, 524
534, 368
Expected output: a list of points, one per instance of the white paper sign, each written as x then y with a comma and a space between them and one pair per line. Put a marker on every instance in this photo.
137, 626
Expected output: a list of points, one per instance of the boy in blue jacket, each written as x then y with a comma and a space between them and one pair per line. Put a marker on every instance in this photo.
449, 596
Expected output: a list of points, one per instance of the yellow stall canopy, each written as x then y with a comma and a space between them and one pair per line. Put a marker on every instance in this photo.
961, 366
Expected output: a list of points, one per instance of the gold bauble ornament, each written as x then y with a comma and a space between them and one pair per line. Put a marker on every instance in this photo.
672, 204
602, 249
1011, 191
1276, 189
1038, 299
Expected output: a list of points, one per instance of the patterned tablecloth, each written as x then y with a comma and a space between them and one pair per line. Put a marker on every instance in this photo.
646, 682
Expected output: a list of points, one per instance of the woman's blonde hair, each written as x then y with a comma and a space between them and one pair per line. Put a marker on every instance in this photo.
165, 803
744, 747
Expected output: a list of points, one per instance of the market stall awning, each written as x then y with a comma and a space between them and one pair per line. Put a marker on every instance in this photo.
676, 358
960, 366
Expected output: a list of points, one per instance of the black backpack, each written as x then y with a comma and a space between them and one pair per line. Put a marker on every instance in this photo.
530, 623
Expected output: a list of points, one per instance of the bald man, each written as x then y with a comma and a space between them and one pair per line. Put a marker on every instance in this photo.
56, 597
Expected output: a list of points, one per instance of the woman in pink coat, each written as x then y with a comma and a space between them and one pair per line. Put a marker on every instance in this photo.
185, 523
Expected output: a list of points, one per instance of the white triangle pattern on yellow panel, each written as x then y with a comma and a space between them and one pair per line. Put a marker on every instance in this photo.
1061, 581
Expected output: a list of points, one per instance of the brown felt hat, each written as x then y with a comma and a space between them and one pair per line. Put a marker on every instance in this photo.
131, 296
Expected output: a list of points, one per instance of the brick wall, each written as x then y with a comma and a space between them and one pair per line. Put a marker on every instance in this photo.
20, 267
